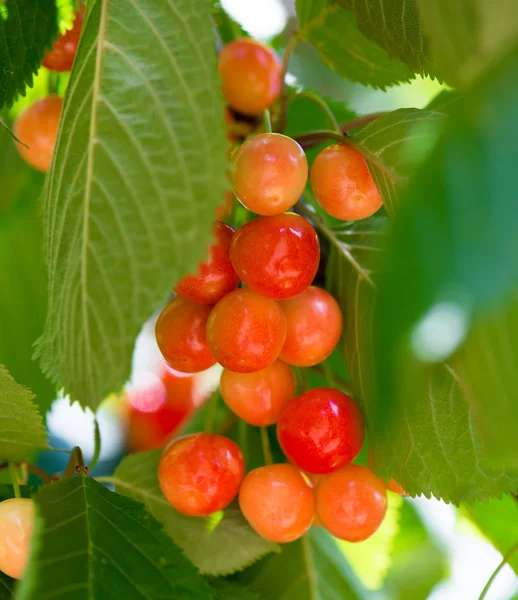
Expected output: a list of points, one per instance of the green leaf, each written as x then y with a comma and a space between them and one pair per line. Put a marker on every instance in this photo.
21, 425
430, 446
29, 29
6, 587
401, 140
498, 521
227, 590
333, 31
92, 543
312, 568
138, 170
419, 562
231, 547
22, 314
452, 260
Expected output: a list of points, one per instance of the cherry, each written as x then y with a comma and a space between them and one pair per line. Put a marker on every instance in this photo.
251, 73
61, 57
277, 502
37, 127
16, 524
351, 503
314, 325
392, 485
258, 398
343, 185
246, 331
270, 173
276, 256
215, 278
201, 473
180, 335
321, 430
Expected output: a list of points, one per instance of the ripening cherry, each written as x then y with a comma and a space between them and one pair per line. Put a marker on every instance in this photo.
246, 331
314, 326
61, 57
215, 278
201, 473
270, 173
16, 525
259, 398
351, 503
393, 485
276, 256
277, 502
181, 336
251, 74
321, 430
37, 127
343, 185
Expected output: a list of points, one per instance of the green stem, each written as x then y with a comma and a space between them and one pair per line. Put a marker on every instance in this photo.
211, 412
267, 121
321, 103
334, 380
303, 379
505, 560
290, 46
14, 480
265, 441
360, 122
43, 475
97, 450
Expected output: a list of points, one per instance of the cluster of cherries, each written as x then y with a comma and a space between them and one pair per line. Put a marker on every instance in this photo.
259, 332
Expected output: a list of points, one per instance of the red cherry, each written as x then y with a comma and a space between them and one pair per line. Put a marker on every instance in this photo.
343, 185
351, 503
321, 430
37, 127
258, 398
277, 502
270, 173
246, 331
215, 278
201, 473
16, 525
251, 75
276, 256
314, 326
61, 57
181, 336
392, 485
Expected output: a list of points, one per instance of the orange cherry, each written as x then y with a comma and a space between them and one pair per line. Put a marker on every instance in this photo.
181, 336
258, 398
215, 278
343, 185
251, 74
201, 473
246, 331
277, 502
314, 326
351, 503
16, 525
270, 173
37, 127
61, 57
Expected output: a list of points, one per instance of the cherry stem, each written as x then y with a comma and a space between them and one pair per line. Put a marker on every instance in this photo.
360, 122
321, 103
14, 480
97, 450
267, 121
265, 441
490, 581
211, 412
303, 380
334, 380
290, 46
40, 473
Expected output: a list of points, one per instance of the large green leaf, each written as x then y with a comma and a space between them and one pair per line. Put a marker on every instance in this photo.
401, 140
430, 446
333, 31
22, 314
312, 568
28, 30
138, 170
90, 543
6, 587
498, 521
21, 425
230, 547
228, 590
450, 278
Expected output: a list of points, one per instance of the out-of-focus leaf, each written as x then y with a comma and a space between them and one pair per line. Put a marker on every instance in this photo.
333, 31
228, 590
